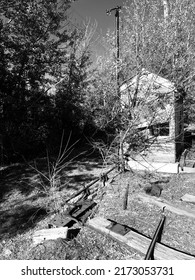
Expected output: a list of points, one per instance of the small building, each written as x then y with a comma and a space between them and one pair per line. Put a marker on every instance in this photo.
160, 109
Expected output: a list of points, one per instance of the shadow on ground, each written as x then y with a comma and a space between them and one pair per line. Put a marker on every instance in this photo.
19, 177
20, 208
79, 180
16, 177
20, 219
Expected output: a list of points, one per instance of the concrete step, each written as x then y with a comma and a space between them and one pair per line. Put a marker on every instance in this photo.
159, 167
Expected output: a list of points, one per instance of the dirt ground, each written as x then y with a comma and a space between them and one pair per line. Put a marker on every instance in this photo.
22, 211
145, 217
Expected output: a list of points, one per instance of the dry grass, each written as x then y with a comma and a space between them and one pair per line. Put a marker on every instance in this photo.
178, 230
23, 210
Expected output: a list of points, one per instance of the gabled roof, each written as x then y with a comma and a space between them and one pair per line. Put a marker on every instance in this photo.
155, 94
149, 82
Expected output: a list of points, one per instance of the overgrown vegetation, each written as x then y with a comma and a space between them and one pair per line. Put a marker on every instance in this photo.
43, 76
49, 181
154, 39
48, 84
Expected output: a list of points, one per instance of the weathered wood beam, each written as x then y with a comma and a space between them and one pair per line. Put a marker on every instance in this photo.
88, 185
125, 198
137, 241
48, 234
188, 198
169, 206
80, 215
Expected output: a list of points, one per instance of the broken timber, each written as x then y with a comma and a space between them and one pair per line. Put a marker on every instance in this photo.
188, 198
169, 206
125, 199
80, 213
89, 185
48, 234
137, 241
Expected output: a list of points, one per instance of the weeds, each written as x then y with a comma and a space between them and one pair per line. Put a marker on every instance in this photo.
50, 183
108, 152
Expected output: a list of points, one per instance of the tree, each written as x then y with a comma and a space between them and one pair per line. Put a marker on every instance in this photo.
161, 45
35, 48
71, 112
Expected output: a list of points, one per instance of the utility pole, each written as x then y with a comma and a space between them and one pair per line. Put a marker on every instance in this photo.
120, 146
117, 9
166, 11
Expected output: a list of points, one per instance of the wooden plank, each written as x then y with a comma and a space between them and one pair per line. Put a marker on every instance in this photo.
169, 206
51, 233
68, 219
138, 241
125, 198
188, 198
89, 185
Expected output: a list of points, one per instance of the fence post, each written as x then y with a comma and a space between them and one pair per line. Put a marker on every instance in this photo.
1, 149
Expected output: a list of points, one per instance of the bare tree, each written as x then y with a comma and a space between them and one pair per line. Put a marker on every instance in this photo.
145, 44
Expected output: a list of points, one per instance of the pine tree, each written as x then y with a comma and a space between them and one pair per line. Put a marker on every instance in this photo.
35, 47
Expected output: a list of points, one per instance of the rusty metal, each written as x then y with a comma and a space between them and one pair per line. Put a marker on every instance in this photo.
118, 228
78, 213
156, 238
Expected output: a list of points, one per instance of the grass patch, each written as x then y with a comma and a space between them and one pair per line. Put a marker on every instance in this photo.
24, 209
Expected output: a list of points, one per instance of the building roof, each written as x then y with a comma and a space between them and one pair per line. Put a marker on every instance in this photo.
155, 96
149, 82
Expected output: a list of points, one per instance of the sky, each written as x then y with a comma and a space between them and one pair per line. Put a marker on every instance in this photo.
95, 10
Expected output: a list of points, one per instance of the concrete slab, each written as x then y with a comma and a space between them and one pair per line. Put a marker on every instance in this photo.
158, 167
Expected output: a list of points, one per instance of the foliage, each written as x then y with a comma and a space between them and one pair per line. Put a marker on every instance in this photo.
151, 40
49, 183
42, 76
162, 44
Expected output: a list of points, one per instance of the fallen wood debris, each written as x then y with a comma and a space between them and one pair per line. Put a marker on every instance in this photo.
102, 176
169, 206
125, 199
188, 198
48, 234
80, 212
134, 239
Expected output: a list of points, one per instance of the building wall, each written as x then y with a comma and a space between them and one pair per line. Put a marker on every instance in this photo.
170, 148
161, 151
169, 109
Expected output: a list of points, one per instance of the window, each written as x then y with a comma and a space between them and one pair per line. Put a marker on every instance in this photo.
161, 129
